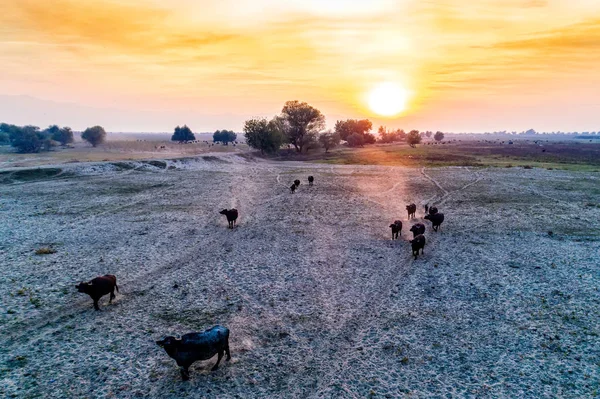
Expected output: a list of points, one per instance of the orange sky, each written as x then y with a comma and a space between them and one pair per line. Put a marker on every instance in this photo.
140, 65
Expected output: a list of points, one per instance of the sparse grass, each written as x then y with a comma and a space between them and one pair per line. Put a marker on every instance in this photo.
45, 251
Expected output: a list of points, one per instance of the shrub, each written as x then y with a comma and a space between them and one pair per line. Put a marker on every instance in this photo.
182, 134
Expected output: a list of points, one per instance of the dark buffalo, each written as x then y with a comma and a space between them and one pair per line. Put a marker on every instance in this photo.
412, 210
311, 179
417, 229
197, 346
296, 182
417, 243
99, 287
436, 220
293, 188
433, 210
232, 215
396, 228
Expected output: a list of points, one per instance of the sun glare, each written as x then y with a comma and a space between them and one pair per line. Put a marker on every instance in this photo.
388, 99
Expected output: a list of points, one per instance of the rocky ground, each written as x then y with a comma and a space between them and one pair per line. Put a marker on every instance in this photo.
320, 302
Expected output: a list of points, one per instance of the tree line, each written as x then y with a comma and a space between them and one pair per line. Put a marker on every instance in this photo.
31, 139
301, 125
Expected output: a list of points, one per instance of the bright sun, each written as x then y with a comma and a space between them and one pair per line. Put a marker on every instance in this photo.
388, 99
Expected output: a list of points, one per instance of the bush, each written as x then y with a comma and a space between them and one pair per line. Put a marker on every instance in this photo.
94, 135
182, 134
63, 135
27, 139
413, 138
224, 136
355, 140
439, 136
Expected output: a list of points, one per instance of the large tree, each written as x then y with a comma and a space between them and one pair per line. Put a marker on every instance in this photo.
264, 135
183, 133
413, 138
302, 123
439, 136
329, 140
63, 135
26, 138
94, 135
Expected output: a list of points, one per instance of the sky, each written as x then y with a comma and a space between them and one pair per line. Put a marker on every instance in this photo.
149, 65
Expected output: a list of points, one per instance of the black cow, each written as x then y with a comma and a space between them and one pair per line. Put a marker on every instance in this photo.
296, 182
99, 287
197, 346
418, 243
232, 215
310, 180
433, 210
412, 210
436, 220
417, 229
396, 228
293, 188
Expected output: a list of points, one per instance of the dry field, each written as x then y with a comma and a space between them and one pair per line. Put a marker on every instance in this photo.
320, 302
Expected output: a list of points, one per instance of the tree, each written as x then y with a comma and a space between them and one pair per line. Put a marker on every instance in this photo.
401, 134
413, 138
329, 140
302, 123
182, 134
439, 136
264, 135
94, 135
26, 139
351, 126
369, 138
4, 139
63, 135
224, 136
428, 133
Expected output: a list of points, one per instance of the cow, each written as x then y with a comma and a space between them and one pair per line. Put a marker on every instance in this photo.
433, 210
396, 228
311, 179
232, 215
293, 188
436, 220
197, 346
411, 209
417, 229
99, 287
296, 182
417, 243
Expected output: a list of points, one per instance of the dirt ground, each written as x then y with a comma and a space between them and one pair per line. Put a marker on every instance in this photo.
319, 300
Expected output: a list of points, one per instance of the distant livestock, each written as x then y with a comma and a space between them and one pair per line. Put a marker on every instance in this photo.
232, 215
310, 180
296, 182
417, 229
99, 287
433, 210
197, 346
412, 210
417, 243
293, 188
436, 220
396, 228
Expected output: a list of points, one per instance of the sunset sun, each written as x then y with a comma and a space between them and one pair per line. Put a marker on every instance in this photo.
387, 99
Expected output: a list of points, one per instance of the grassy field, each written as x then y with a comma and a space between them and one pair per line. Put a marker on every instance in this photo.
554, 155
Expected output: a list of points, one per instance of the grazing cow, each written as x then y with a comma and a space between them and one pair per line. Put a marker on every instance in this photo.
310, 180
232, 215
99, 287
436, 220
296, 182
417, 229
396, 228
412, 210
433, 210
293, 188
417, 243
197, 346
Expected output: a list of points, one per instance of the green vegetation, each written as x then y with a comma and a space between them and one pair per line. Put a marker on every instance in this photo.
224, 136
263, 135
183, 134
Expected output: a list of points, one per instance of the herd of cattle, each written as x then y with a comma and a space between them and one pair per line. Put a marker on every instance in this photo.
197, 346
